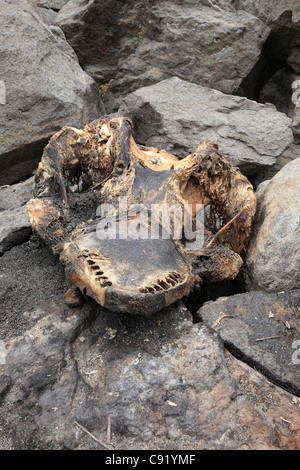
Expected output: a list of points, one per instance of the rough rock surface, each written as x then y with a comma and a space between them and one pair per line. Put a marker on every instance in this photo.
48, 9
275, 13
133, 272
283, 90
47, 15
278, 91
45, 86
273, 253
262, 329
281, 48
290, 154
55, 5
15, 226
138, 44
177, 115
162, 382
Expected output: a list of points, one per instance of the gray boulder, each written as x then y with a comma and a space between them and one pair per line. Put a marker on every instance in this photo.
48, 9
45, 87
15, 226
290, 154
261, 329
132, 382
283, 90
16, 195
177, 116
275, 13
141, 43
273, 257
55, 5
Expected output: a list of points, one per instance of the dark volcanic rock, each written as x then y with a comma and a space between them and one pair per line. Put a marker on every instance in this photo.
272, 262
138, 43
162, 382
262, 329
177, 116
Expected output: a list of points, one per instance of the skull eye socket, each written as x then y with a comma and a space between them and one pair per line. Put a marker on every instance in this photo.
191, 191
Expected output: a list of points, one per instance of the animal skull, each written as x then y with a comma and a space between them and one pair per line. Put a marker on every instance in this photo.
81, 170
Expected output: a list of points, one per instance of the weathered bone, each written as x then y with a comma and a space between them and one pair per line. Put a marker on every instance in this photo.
81, 169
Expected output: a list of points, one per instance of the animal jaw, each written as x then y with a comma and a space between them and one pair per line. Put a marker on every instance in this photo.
81, 170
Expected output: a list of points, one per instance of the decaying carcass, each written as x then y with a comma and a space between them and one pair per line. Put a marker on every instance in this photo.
101, 165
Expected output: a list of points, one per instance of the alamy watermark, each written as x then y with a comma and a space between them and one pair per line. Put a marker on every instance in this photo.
2, 92
155, 221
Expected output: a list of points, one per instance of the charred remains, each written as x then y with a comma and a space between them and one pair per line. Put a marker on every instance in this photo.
82, 169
